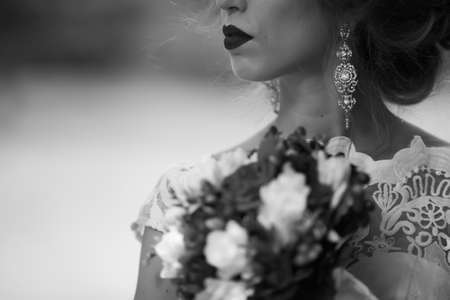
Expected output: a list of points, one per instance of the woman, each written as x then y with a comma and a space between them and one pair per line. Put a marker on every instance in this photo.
386, 50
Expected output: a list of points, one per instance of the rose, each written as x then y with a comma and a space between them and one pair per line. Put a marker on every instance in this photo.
284, 201
229, 162
226, 250
174, 215
170, 249
189, 183
334, 172
215, 170
223, 290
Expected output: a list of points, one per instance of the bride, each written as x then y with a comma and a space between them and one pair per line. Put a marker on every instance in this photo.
333, 64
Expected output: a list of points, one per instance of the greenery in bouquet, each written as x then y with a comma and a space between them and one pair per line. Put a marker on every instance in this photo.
265, 225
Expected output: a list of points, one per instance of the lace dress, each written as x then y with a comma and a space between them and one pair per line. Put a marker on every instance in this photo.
405, 252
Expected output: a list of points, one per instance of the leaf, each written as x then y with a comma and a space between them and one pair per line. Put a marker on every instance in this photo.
297, 141
270, 144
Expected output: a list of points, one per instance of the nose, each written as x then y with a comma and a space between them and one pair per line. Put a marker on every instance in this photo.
231, 6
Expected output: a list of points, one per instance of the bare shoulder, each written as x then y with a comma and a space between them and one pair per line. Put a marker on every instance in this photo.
405, 132
401, 135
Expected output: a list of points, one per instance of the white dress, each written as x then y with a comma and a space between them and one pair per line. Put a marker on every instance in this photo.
405, 252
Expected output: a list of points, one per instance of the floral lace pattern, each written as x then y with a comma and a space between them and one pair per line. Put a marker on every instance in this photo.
162, 197
412, 196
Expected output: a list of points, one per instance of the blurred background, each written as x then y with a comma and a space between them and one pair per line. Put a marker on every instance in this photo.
97, 99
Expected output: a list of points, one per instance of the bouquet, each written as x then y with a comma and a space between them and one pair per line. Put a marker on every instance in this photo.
266, 225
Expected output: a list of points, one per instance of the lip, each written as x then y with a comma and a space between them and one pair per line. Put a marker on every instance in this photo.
234, 37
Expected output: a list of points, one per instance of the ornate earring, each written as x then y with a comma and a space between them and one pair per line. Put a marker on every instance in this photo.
345, 76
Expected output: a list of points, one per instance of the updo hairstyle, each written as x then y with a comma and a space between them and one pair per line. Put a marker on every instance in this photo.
396, 44
397, 49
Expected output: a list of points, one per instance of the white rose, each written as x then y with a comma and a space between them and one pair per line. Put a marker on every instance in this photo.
173, 216
210, 169
334, 172
215, 170
230, 161
190, 182
226, 250
223, 290
284, 201
170, 249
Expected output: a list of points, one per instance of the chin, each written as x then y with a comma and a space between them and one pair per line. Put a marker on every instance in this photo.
259, 69
252, 72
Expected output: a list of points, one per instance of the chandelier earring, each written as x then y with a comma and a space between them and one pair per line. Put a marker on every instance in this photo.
345, 75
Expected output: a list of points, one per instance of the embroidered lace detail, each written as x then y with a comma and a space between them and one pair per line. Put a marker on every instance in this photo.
412, 193
161, 198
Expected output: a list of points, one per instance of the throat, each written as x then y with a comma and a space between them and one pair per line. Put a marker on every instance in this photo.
320, 125
308, 102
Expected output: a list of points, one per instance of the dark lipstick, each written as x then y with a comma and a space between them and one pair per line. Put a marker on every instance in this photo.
234, 37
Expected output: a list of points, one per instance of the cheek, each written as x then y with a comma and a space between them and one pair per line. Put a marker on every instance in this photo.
292, 35
301, 37
304, 48
253, 68
296, 37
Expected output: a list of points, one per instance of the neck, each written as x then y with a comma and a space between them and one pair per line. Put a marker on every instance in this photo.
307, 101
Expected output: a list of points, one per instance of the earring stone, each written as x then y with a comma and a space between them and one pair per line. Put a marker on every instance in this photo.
345, 75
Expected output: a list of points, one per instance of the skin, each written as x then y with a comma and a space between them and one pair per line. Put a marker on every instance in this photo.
295, 43
289, 37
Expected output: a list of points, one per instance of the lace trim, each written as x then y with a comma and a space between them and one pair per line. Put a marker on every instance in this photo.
412, 193
161, 198
403, 164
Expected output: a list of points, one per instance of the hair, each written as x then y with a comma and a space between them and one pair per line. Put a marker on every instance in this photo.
397, 50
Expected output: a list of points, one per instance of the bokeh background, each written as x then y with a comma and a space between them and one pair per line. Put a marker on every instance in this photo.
97, 99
